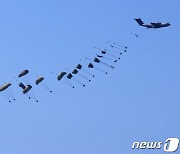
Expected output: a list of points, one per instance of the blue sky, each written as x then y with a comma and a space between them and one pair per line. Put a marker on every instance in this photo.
138, 101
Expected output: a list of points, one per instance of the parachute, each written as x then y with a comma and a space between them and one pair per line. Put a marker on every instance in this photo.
41, 79
61, 75
79, 66
75, 71
24, 77
70, 76
22, 85
23, 73
5, 86
90, 65
104, 57
107, 53
98, 61
3, 89
27, 89
99, 56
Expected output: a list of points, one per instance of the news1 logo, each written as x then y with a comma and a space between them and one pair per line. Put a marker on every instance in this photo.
170, 145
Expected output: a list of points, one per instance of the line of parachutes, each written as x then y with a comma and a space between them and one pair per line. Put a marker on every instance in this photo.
81, 71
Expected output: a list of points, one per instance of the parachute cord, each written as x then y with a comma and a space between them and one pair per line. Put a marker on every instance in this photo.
106, 64
6, 95
11, 93
84, 77
112, 55
108, 58
34, 96
47, 87
31, 94
88, 72
116, 47
28, 96
114, 51
100, 70
70, 84
116, 44
28, 79
9, 100
120, 45
78, 81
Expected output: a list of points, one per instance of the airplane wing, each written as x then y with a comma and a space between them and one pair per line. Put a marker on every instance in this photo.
155, 23
148, 26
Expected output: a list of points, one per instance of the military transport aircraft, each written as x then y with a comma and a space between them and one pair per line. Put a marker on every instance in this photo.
152, 24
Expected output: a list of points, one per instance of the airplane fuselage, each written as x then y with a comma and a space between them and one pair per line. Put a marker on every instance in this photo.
156, 26
152, 24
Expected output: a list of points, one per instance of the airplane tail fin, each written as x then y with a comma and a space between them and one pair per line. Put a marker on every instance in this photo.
139, 21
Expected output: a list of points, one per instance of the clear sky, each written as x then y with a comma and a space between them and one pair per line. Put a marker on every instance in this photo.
137, 101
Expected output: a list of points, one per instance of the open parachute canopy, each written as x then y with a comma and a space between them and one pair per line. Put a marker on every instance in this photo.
23, 73
5, 86
75, 71
39, 80
69, 76
61, 75
22, 85
79, 66
90, 65
27, 89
